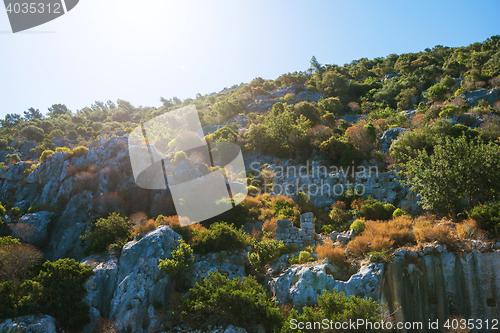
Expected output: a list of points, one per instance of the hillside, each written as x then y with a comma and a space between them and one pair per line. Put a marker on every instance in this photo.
379, 178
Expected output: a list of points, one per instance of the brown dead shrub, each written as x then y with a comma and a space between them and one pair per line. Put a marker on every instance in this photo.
270, 225
144, 227
381, 235
71, 170
16, 262
336, 254
470, 230
105, 325
426, 232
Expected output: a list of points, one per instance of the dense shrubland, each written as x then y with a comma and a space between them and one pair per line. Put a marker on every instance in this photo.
452, 166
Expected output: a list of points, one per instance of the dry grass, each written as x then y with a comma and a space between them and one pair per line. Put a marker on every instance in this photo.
356, 204
186, 232
17, 262
270, 225
138, 218
144, 227
71, 170
336, 254
381, 235
256, 234
470, 230
434, 231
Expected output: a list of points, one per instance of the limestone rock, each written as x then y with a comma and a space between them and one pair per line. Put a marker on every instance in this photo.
33, 228
29, 324
387, 137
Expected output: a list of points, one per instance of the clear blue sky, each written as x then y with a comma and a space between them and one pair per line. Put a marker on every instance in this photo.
141, 50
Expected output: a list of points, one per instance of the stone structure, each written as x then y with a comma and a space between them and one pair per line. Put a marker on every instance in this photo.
289, 234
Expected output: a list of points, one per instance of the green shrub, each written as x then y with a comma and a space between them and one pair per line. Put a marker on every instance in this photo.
8, 241
436, 92
15, 211
327, 229
218, 300
62, 150
375, 210
358, 226
12, 158
266, 251
219, 237
32, 132
449, 111
3, 144
236, 216
398, 212
182, 259
79, 151
72, 135
304, 257
3, 211
56, 133
42, 207
337, 308
487, 216
45, 155
62, 291
114, 229
179, 156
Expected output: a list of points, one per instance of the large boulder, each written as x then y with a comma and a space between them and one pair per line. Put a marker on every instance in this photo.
473, 97
301, 285
230, 265
29, 324
140, 283
33, 228
387, 137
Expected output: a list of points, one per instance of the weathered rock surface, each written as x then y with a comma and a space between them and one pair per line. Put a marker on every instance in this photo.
301, 285
29, 324
474, 96
33, 228
387, 137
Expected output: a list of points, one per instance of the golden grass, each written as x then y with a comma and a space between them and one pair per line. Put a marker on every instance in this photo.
381, 235
469, 229
270, 225
336, 254
432, 231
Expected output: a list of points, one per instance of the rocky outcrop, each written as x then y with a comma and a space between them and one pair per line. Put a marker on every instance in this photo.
386, 138
301, 285
29, 324
125, 290
435, 286
33, 228
473, 97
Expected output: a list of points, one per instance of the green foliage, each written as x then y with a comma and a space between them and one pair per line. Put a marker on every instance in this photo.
372, 132
304, 257
487, 216
309, 111
458, 169
3, 144
333, 148
32, 132
337, 307
449, 111
15, 211
62, 150
8, 241
79, 151
235, 216
182, 259
436, 92
219, 237
105, 231
373, 209
42, 207
56, 133
327, 229
266, 251
218, 300
13, 157
358, 226
179, 156
398, 212
224, 134
381, 257
72, 135
45, 155
448, 82
57, 290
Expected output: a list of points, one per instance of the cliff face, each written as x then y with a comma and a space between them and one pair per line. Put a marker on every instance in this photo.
436, 286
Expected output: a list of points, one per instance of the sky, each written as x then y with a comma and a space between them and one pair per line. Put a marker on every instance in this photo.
140, 51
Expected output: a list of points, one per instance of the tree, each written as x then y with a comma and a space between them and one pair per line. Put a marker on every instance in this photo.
458, 169
316, 66
32, 132
57, 110
11, 120
32, 114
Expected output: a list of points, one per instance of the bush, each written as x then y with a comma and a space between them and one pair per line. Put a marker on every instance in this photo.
16, 260
218, 300
235, 216
470, 230
270, 226
304, 257
62, 291
266, 251
12, 158
379, 236
56, 133
336, 254
106, 231
358, 226
182, 259
72, 135
487, 216
3, 211
45, 155
15, 211
428, 232
219, 237
337, 308
62, 150
398, 212
79, 151
179, 156
32, 132
373, 209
